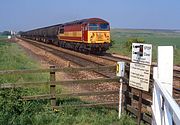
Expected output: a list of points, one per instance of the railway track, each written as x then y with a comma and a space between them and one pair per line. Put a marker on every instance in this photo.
90, 60
84, 60
116, 58
79, 59
176, 72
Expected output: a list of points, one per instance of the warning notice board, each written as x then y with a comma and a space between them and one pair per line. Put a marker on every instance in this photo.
139, 76
142, 53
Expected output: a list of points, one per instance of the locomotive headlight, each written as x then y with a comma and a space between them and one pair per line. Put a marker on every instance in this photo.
107, 36
91, 36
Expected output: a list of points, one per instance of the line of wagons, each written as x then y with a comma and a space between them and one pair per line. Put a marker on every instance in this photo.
87, 35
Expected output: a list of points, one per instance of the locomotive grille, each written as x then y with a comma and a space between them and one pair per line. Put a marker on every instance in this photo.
99, 37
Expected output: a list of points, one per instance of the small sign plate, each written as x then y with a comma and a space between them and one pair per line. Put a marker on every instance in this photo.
139, 76
142, 53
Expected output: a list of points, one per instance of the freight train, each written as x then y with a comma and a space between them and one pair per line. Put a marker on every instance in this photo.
87, 35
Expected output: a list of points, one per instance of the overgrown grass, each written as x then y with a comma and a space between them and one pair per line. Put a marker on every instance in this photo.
3, 36
154, 37
15, 111
18, 112
12, 57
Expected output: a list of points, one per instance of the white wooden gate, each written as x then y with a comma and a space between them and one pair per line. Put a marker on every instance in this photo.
165, 110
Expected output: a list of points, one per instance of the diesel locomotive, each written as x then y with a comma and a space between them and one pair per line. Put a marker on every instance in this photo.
86, 35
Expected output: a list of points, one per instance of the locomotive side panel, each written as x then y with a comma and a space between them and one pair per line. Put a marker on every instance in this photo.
85, 33
72, 33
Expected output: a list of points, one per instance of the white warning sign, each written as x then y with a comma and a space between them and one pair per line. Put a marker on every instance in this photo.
139, 76
142, 53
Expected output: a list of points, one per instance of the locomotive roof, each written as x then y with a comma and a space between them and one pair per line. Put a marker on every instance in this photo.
89, 20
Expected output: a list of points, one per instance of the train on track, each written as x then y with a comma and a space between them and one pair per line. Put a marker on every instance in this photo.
87, 35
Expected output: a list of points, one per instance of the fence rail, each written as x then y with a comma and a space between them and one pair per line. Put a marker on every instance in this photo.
49, 96
63, 82
165, 109
67, 70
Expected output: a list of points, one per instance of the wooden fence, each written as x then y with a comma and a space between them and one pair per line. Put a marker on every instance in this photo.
129, 94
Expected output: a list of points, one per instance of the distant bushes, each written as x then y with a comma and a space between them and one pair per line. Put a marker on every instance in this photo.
128, 43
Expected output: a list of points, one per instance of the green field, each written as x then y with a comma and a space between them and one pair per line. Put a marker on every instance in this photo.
2, 36
154, 37
14, 111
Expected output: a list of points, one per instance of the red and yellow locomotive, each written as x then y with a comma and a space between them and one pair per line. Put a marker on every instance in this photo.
87, 35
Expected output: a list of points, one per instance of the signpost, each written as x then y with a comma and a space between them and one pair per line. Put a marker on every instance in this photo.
140, 70
139, 76
120, 71
142, 53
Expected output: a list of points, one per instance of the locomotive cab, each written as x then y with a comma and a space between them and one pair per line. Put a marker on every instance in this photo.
98, 33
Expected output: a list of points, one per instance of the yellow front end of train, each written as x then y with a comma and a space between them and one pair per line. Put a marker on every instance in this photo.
98, 36
99, 33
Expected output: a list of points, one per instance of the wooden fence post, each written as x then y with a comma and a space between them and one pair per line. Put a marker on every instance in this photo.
52, 87
127, 99
139, 106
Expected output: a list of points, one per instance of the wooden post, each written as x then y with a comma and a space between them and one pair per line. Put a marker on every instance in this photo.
139, 106
52, 87
127, 99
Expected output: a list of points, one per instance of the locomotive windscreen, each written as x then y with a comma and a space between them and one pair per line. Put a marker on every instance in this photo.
94, 27
104, 27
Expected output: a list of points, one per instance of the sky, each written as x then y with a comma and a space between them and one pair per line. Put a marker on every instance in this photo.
23, 15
